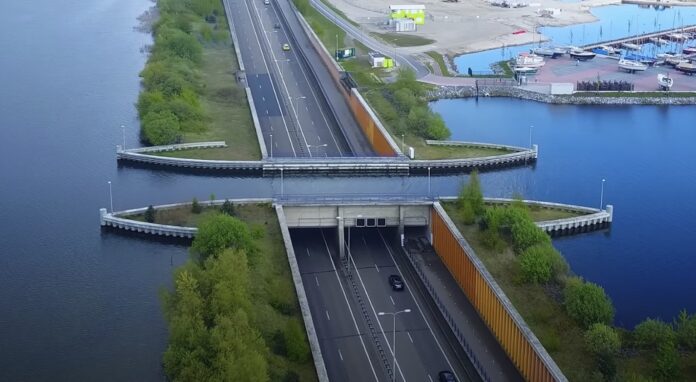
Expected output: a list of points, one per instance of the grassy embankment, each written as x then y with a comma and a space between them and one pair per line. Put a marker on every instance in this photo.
542, 307
190, 93
403, 39
437, 57
270, 304
380, 96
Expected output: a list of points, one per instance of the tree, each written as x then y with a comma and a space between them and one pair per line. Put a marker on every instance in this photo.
606, 364
150, 214
295, 342
587, 303
436, 127
667, 362
650, 333
228, 208
536, 263
177, 43
195, 206
470, 201
600, 339
686, 330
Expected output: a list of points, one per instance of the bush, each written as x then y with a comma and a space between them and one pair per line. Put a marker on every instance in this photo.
218, 232
602, 339
295, 342
525, 234
667, 362
686, 330
436, 127
650, 333
587, 303
150, 214
161, 128
171, 42
196, 207
536, 263
228, 208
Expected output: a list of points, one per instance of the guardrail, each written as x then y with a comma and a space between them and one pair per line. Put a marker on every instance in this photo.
479, 144
176, 147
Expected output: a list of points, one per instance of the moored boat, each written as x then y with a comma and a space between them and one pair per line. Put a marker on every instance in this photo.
630, 46
582, 55
609, 49
665, 81
525, 70
689, 50
687, 67
675, 60
632, 66
529, 60
546, 52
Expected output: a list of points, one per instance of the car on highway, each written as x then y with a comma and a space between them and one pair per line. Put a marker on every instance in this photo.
286, 47
396, 282
266, 2
276, 26
446, 376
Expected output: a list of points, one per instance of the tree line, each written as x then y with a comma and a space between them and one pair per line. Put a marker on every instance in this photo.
585, 302
232, 314
169, 104
403, 105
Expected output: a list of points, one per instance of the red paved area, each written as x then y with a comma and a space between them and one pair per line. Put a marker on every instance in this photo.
564, 69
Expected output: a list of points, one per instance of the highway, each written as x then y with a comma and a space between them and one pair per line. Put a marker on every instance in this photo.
348, 348
295, 117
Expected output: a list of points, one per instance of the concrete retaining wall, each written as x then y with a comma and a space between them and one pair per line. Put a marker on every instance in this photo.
177, 147
382, 143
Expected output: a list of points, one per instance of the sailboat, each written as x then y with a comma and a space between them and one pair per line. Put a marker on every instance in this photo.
581, 55
632, 66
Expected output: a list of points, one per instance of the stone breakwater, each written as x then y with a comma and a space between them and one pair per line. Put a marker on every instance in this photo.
448, 92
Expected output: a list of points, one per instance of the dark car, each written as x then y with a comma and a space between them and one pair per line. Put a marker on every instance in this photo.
276, 25
396, 282
446, 376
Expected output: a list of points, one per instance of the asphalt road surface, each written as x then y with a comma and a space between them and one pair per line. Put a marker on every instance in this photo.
295, 118
349, 351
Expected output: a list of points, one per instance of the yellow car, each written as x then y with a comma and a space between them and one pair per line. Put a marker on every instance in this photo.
286, 47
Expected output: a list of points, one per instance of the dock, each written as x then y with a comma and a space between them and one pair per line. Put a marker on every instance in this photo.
643, 38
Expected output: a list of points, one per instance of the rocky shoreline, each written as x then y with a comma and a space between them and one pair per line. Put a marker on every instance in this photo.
449, 92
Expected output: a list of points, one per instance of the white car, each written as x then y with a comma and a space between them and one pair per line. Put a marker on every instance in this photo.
266, 2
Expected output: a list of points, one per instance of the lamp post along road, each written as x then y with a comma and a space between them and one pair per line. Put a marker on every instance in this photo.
601, 195
394, 314
271, 145
111, 198
123, 132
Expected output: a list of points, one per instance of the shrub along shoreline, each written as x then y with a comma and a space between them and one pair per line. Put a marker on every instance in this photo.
572, 318
189, 90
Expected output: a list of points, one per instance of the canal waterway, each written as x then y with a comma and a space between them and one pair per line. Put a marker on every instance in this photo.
614, 22
81, 304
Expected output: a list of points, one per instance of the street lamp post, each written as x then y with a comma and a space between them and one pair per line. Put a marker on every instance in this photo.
271, 145
123, 131
282, 188
297, 111
315, 146
428, 181
111, 198
530, 135
394, 314
403, 145
601, 195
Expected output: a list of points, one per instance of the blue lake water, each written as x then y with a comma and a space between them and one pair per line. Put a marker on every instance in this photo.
645, 153
614, 21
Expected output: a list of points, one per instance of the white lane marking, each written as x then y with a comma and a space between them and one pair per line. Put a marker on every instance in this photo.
314, 94
355, 323
392, 300
282, 78
340, 355
419, 307
258, 42
430, 378
369, 300
308, 255
409, 336
263, 99
317, 280
266, 111
377, 268
327, 315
